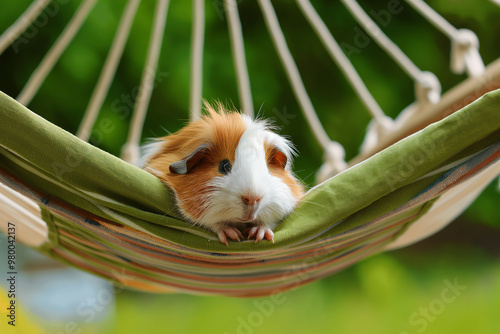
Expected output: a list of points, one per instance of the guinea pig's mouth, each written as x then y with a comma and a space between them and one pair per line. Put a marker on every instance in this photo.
246, 221
249, 216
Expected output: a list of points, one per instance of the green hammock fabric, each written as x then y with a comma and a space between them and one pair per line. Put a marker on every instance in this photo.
119, 222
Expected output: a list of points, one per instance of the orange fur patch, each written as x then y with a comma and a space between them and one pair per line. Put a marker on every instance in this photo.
276, 168
222, 130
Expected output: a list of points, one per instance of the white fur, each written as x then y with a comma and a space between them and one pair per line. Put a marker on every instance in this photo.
250, 176
148, 151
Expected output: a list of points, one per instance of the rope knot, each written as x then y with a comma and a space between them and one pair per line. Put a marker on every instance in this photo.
465, 53
334, 157
427, 88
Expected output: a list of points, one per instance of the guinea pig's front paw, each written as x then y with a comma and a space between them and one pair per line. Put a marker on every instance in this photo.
261, 232
229, 232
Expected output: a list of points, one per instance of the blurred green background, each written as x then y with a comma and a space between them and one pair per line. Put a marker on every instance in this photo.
388, 293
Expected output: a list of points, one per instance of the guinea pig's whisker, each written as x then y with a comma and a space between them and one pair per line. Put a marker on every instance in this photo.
322, 191
167, 213
314, 203
155, 172
275, 210
308, 176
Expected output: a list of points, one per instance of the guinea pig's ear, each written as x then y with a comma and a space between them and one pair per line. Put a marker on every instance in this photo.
278, 158
184, 166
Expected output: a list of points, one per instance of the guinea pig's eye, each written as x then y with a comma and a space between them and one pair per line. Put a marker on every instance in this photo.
225, 167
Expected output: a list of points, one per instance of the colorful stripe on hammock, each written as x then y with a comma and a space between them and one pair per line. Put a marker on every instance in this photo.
143, 261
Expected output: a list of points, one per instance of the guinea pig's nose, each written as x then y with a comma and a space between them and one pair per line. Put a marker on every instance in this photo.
250, 199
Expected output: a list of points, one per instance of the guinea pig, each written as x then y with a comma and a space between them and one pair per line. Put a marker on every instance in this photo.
228, 171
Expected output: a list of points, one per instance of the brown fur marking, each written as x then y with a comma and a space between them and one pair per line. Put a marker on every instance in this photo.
277, 168
222, 130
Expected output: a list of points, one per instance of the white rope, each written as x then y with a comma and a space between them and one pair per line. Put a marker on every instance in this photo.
378, 35
48, 62
334, 157
428, 89
22, 23
240, 63
465, 44
198, 36
109, 70
334, 152
130, 151
433, 17
413, 117
293, 73
344, 64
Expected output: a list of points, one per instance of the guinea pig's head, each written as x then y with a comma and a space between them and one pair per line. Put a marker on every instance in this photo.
227, 168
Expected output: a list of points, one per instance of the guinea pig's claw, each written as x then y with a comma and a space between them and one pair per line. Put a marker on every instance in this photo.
229, 232
261, 233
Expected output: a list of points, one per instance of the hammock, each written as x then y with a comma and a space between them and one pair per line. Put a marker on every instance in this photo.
103, 215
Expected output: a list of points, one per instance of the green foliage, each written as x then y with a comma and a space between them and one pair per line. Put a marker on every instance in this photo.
485, 209
65, 94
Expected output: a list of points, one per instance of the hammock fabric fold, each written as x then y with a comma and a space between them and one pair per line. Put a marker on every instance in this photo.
114, 220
